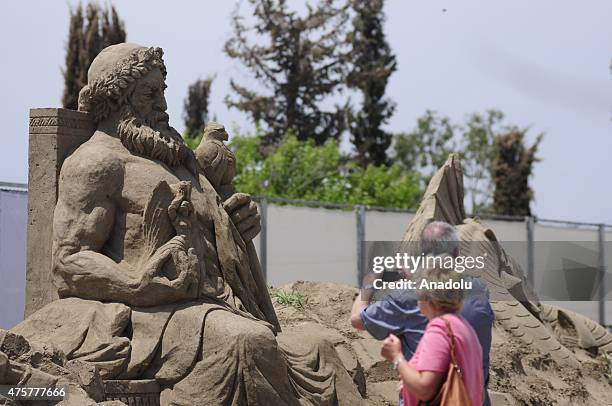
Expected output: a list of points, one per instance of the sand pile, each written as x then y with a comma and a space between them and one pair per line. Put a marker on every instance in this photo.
541, 354
520, 373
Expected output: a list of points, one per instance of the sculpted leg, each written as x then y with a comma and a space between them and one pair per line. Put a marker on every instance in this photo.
240, 363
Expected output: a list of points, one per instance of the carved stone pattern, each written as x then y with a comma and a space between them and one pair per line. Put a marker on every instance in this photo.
136, 399
59, 122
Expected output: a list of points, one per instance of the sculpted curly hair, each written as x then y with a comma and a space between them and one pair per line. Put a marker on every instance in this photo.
109, 93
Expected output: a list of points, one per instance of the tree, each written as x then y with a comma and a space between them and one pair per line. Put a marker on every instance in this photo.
477, 151
113, 29
372, 65
87, 36
512, 167
426, 148
71, 72
92, 42
195, 107
299, 61
305, 170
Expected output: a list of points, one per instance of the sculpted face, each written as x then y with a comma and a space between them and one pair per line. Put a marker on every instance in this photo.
148, 99
143, 125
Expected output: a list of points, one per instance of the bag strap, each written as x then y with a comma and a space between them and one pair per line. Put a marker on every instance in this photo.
451, 338
453, 364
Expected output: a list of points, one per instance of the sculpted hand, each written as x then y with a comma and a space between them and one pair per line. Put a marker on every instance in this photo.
392, 348
244, 215
155, 288
153, 267
188, 271
181, 209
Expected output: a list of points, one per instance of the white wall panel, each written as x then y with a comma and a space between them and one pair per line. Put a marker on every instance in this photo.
13, 222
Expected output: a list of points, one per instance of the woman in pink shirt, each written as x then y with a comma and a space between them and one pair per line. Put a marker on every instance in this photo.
423, 376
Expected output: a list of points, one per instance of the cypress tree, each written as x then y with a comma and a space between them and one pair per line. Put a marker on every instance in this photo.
73, 50
113, 29
299, 60
372, 65
195, 107
511, 169
92, 42
87, 35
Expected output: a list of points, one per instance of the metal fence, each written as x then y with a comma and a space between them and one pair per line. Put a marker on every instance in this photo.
318, 241
368, 224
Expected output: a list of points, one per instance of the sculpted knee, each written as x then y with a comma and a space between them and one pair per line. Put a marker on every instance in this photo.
257, 338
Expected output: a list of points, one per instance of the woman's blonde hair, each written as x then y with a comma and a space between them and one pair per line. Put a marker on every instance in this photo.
447, 300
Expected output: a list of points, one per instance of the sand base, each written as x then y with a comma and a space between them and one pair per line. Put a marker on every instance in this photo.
519, 374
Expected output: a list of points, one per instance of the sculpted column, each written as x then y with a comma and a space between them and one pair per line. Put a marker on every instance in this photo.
54, 134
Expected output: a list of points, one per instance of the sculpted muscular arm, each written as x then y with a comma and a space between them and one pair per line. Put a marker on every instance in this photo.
83, 220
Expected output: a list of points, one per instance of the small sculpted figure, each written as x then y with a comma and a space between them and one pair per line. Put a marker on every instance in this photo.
218, 163
216, 160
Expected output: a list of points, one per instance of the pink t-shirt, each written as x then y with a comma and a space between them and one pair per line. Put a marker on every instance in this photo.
433, 354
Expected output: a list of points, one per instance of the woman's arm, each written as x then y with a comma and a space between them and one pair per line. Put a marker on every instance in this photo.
422, 384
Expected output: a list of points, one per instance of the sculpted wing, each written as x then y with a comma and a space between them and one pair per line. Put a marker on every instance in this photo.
156, 225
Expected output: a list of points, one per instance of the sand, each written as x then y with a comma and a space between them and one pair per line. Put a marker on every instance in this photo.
519, 374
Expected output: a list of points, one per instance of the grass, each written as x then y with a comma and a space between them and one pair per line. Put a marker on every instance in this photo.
292, 298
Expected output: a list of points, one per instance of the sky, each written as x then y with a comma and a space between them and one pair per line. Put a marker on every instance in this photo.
545, 64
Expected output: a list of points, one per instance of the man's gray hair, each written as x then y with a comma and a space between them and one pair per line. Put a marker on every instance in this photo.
439, 238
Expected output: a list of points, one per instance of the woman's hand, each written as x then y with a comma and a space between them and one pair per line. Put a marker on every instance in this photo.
422, 384
392, 348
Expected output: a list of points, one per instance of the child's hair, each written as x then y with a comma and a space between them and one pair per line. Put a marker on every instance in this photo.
447, 300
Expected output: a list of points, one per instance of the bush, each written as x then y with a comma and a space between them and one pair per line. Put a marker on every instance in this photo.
303, 170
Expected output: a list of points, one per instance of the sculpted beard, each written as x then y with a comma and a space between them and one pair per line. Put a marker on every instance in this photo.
151, 136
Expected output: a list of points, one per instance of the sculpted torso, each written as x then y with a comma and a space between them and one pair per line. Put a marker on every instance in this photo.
140, 176
107, 245
103, 192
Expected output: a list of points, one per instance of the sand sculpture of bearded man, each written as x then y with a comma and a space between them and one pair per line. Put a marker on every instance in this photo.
157, 273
